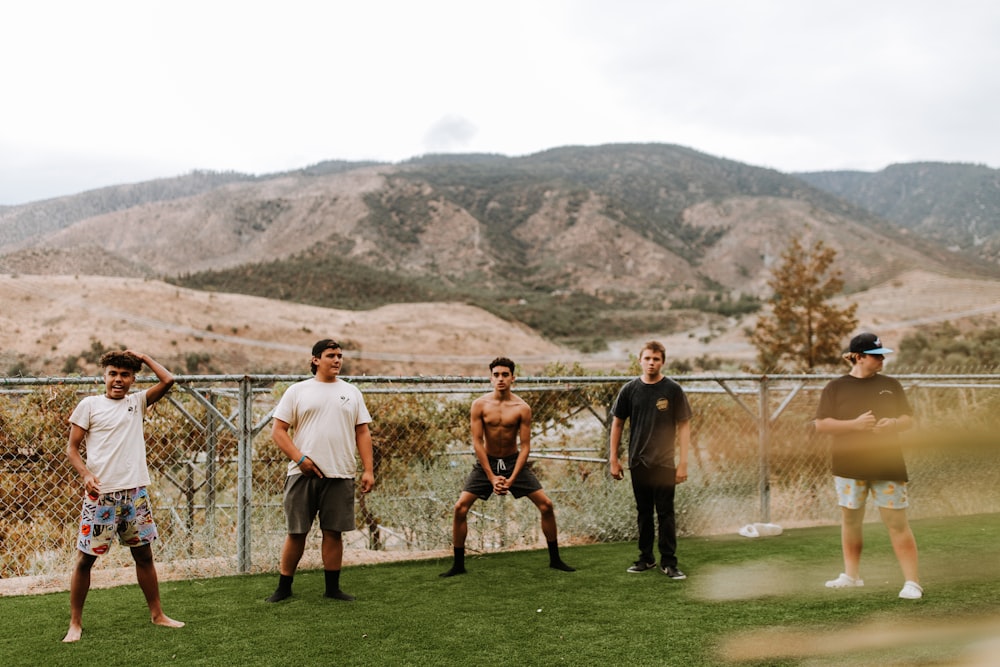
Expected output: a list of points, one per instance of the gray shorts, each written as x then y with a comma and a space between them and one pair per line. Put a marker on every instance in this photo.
332, 498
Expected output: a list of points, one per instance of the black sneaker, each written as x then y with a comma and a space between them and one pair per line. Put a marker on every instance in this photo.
673, 572
640, 566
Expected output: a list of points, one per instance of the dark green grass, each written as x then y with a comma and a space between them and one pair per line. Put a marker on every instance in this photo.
511, 609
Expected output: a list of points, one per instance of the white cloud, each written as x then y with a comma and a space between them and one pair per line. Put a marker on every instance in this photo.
449, 134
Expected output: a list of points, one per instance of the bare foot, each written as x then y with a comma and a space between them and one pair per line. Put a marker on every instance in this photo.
167, 622
73, 635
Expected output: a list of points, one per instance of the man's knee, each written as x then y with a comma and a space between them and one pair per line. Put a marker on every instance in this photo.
142, 555
544, 504
854, 516
464, 504
894, 519
85, 561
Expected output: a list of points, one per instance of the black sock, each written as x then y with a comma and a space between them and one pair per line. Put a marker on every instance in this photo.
459, 566
333, 586
284, 589
555, 562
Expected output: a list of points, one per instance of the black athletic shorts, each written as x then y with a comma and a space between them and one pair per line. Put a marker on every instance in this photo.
478, 482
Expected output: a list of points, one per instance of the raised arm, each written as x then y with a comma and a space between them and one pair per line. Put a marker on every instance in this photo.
166, 380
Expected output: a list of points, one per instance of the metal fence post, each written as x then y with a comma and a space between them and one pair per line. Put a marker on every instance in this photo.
211, 452
244, 476
764, 451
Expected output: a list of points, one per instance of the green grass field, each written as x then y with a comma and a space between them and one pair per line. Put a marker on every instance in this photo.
746, 602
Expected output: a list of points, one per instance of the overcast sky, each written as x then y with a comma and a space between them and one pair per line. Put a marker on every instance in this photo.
108, 92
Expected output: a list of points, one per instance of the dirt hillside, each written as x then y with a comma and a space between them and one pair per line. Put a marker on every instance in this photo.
45, 320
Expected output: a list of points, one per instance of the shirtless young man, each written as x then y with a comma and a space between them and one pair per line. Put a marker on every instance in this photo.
498, 420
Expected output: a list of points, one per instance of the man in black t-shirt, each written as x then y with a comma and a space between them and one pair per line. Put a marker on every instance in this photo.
865, 411
659, 415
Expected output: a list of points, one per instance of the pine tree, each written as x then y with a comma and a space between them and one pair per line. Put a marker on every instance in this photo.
803, 328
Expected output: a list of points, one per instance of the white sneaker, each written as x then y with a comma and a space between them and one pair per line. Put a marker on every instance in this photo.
911, 591
844, 581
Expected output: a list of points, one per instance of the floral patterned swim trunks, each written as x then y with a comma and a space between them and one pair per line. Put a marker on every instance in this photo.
852, 493
126, 514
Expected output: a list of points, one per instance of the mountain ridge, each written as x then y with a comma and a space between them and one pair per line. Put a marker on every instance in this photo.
954, 204
585, 245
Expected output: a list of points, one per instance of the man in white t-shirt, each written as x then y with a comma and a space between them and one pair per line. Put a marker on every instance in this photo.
115, 503
329, 420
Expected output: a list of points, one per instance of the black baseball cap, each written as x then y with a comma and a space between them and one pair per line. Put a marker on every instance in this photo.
868, 343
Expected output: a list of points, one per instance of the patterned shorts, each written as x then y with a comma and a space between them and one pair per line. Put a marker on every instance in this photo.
852, 493
126, 514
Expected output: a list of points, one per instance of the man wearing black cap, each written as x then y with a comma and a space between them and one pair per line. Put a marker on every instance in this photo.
865, 411
329, 420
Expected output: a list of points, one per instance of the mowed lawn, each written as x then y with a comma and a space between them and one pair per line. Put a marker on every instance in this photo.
746, 602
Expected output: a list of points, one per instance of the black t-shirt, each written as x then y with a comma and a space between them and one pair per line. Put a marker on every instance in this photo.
862, 454
653, 411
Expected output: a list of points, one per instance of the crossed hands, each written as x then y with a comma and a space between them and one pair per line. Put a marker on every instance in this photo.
868, 422
501, 485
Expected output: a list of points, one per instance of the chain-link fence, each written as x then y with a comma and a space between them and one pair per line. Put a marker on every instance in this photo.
217, 477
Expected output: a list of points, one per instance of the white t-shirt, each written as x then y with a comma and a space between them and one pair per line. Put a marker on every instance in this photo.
116, 448
322, 416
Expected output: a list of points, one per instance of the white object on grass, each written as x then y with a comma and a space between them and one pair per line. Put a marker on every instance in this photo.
760, 530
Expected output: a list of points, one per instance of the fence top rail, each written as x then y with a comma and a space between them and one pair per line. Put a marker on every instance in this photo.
753, 378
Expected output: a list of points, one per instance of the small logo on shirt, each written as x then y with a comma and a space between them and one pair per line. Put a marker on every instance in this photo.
662, 404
